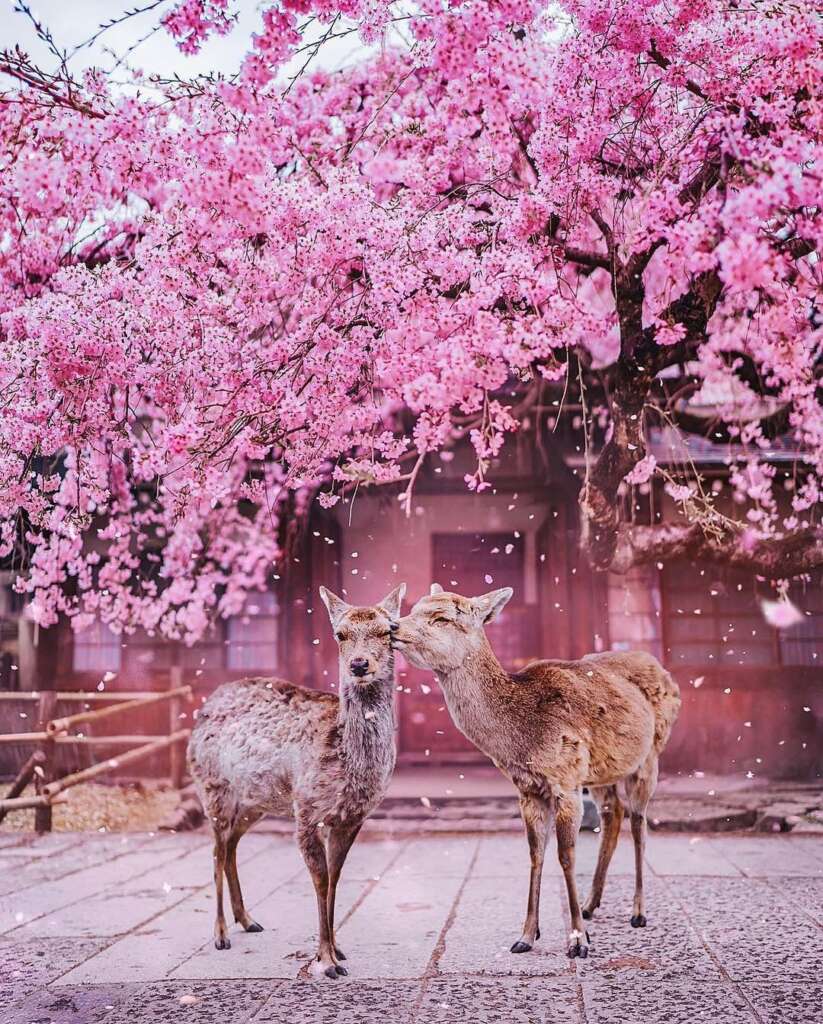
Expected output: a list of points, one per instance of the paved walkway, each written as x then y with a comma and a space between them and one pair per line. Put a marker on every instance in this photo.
117, 929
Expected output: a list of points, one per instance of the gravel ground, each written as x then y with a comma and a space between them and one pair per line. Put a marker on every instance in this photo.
93, 807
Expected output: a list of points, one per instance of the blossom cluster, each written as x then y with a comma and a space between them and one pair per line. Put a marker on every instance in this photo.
223, 297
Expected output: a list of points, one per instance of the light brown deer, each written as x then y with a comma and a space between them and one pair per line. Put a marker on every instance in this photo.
266, 746
553, 728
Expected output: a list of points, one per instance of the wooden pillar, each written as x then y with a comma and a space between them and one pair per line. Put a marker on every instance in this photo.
177, 759
45, 712
24, 776
41, 655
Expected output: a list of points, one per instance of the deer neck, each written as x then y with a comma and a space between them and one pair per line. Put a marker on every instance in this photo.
472, 692
366, 725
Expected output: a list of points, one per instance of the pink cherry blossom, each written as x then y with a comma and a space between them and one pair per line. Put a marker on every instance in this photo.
220, 299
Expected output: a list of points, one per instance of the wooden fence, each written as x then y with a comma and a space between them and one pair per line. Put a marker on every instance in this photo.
52, 733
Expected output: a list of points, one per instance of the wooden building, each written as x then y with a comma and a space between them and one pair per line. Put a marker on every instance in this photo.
753, 697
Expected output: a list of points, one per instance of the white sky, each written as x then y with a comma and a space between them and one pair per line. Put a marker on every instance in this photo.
72, 22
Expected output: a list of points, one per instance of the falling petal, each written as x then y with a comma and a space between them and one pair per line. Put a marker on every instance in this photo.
781, 614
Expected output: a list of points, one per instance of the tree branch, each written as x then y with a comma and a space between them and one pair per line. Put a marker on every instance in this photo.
586, 259
16, 65
775, 558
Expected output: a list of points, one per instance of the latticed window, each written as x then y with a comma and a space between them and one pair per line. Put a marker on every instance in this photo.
96, 649
803, 644
713, 617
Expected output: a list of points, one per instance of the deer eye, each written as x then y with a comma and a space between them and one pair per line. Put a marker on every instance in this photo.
342, 636
439, 619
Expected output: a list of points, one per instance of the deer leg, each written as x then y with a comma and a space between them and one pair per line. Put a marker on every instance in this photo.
639, 789
337, 849
536, 811
611, 817
241, 915
314, 855
638, 918
221, 939
568, 815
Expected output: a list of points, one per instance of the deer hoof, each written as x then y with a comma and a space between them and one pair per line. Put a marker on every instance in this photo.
588, 914
331, 972
578, 946
222, 942
521, 947
638, 921
253, 926
341, 970
339, 954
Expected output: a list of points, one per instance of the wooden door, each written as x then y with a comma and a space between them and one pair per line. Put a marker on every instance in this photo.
572, 598
470, 564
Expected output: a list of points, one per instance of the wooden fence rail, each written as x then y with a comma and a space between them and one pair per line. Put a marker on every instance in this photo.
52, 732
59, 725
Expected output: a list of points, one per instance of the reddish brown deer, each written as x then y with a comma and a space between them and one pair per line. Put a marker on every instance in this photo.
553, 728
265, 745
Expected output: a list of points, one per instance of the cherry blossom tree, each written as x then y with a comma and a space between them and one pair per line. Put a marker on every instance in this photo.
223, 298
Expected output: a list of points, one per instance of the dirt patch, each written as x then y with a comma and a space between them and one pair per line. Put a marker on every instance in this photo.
619, 963
92, 807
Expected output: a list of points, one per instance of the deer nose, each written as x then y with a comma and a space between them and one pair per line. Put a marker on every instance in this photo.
359, 666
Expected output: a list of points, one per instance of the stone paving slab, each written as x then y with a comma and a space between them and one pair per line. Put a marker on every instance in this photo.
289, 915
753, 857
352, 1002
29, 965
67, 1005
692, 855
397, 926
776, 1003
753, 928
35, 900
668, 949
230, 1002
172, 934
121, 934
629, 1001
502, 1001
489, 918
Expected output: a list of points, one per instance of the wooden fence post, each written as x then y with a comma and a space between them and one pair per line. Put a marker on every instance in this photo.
45, 712
177, 760
24, 776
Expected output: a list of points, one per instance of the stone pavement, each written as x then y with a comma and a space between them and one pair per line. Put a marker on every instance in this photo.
116, 929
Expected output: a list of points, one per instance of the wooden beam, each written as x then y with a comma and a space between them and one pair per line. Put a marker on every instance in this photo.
39, 737
79, 695
21, 803
105, 741
53, 788
64, 724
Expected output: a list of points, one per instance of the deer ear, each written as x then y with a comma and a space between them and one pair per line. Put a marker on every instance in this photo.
335, 605
435, 589
391, 602
490, 605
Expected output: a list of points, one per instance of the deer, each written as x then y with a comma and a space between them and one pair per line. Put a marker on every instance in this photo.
552, 728
268, 746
